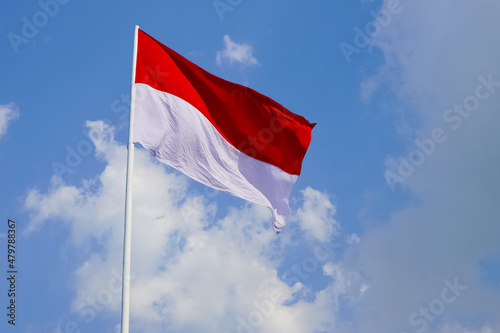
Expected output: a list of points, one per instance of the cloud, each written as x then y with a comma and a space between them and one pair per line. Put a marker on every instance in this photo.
8, 113
191, 271
317, 215
368, 87
236, 53
434, 53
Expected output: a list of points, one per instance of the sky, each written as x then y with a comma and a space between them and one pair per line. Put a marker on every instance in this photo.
394, 224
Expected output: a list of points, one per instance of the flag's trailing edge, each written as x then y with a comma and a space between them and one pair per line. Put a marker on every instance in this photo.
221, 134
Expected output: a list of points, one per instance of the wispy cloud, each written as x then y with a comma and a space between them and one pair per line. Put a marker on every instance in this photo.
8, 113
317, 215
236, 53
433, 55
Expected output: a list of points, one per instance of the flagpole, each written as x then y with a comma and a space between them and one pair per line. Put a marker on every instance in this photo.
128, 202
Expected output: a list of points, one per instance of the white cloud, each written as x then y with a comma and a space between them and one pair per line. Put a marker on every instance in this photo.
234, 52
8, 113
434, 53
317, 215
190, 271
353, 239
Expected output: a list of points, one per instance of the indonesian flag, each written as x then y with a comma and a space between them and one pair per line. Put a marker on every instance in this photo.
224, 135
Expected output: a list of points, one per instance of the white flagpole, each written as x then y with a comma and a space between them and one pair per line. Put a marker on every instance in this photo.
128, 203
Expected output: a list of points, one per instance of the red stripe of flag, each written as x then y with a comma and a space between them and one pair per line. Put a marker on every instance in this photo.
251, 122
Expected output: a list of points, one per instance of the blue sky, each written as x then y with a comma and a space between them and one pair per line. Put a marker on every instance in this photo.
394, 224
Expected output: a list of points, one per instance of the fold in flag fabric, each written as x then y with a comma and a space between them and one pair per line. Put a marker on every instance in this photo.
221, 134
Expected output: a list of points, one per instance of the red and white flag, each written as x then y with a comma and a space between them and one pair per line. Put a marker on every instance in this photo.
222, 134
